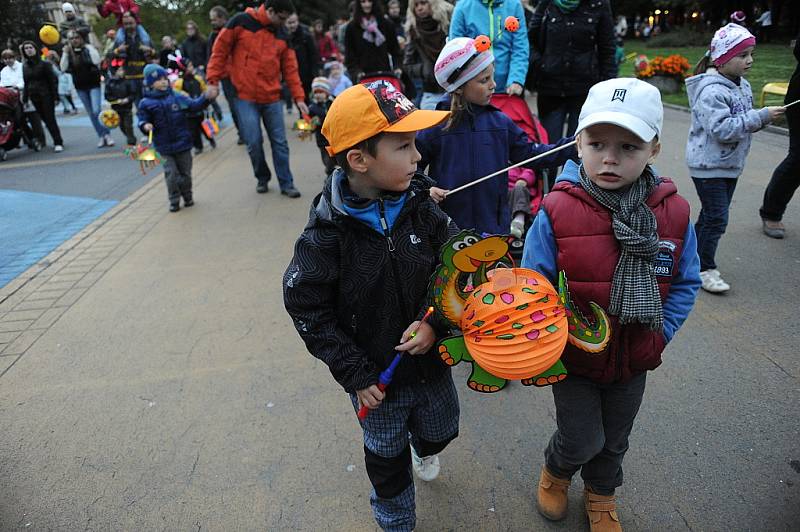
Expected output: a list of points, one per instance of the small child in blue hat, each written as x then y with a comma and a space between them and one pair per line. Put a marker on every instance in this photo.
163, 112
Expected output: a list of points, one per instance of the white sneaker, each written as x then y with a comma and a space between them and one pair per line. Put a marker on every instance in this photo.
517, 227
426, 468
712, 282
58, 148
109, 140
101, 143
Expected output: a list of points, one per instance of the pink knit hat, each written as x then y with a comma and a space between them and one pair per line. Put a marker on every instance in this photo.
728, 42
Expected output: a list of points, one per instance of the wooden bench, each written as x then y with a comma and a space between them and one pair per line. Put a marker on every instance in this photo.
778, 89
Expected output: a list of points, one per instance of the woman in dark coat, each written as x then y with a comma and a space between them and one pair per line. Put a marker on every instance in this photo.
427, 23
41, 89
371, 42
572, 49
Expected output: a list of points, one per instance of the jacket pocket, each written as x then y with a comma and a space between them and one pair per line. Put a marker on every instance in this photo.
645, 348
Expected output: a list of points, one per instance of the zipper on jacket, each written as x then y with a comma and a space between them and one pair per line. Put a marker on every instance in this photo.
491, 21
385, 226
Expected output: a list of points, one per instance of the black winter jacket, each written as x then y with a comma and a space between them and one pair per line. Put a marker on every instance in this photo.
194, 48
362, 57
119, 89
41, 80
305, 48
352, 291
572, 51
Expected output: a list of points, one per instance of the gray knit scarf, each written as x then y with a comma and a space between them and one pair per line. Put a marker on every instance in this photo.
634, 290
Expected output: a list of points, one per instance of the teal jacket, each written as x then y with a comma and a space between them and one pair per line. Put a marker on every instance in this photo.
487, 17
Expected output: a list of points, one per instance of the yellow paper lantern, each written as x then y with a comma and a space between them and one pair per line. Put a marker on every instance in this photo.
49, 35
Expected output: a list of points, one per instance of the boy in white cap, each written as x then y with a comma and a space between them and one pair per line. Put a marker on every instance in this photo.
357, 288
622, 236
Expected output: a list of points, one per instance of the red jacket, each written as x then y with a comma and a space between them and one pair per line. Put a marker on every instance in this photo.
259, 57
118, 8
589, 258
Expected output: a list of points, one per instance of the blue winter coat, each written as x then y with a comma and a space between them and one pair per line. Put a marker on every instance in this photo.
511, 49
167, 110
481, 144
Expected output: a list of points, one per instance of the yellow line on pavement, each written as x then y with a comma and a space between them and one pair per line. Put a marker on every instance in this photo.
62, 160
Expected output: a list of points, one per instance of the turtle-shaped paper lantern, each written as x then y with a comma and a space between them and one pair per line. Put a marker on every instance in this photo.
514, 325
512, 23
482, 43
109, 118
49, 35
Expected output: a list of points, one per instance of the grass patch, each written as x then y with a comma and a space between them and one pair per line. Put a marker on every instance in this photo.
773, 62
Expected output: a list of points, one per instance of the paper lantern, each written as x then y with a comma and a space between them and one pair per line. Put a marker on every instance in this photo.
482, 43
515, 325
49, 35
512, 24
109, 118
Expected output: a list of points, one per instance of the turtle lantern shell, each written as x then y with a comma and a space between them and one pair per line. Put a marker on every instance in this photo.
515, 325
109, 118
512, 23
482, 43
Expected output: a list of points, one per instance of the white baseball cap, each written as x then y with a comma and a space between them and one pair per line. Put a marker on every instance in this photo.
625, 102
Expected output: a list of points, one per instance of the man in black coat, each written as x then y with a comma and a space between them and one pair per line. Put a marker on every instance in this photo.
302, 42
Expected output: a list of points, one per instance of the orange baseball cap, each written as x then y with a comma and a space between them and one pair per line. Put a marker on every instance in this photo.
364, 110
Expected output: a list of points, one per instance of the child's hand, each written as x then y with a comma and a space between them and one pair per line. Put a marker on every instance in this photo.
438, 194
775, 111
148, 127
370, 397
419, 343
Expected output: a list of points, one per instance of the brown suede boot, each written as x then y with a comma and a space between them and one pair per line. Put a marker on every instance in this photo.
551, 497
602, 512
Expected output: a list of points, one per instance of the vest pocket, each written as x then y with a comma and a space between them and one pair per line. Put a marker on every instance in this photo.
645, 348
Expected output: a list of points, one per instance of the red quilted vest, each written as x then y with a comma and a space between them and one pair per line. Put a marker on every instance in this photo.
588, 254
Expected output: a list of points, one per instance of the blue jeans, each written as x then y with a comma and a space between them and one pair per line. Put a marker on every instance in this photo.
594, 422
251, 115
715, 200
231, 95
91, 102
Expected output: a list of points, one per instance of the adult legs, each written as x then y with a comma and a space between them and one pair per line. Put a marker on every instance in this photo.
250, 128
195, 124
715, 199
552, 115
47, 110
785, 179
273, 121
91, 102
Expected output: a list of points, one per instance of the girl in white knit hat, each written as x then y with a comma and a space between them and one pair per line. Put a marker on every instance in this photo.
477, 140
723, 122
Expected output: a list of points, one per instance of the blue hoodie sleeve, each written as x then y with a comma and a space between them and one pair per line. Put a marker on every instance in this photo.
518, 69
193, 104
685, 284
143, 114
540, 250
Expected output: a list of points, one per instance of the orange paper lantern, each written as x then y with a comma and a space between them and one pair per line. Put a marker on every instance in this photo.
482, 43
514, 325
512, 24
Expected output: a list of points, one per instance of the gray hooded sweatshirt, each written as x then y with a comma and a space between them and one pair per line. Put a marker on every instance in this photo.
723, 120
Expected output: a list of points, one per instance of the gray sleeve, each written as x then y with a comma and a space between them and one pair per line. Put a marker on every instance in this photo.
715, 110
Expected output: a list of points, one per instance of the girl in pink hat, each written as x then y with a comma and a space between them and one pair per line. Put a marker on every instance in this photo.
723, 121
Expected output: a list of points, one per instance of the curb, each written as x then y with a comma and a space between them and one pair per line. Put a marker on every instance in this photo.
769, 129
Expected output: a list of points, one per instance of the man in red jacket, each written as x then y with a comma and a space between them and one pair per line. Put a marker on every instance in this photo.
255, 44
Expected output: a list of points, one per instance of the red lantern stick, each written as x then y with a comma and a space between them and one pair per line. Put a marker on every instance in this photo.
386, 375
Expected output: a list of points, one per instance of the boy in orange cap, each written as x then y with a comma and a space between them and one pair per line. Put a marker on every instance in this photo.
358, 286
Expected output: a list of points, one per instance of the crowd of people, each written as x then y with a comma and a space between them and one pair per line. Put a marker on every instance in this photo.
407, 108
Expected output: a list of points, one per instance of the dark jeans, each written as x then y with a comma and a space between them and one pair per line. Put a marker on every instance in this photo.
785, 178
715, 200
178, 176
554, 112
229, 89
46, 108
594, 422
251, 115
126, 123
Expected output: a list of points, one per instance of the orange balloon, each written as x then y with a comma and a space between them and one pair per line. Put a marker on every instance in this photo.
482, 43
512, 23
515, 325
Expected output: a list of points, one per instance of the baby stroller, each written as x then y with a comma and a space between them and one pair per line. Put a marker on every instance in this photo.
517, 109
401, 84
12, 123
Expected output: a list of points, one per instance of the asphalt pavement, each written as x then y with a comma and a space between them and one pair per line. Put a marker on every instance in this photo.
150, 379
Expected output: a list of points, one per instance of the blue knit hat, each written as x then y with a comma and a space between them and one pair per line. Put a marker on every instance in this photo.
153, 73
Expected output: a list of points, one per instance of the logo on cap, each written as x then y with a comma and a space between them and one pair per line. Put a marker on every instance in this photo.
393, 104
619, 94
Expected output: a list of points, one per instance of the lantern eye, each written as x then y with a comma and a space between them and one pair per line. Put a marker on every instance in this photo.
463, 244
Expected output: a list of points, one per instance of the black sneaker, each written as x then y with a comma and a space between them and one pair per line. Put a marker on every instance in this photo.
240, 141
262, 187
174, 207
188, 202
291, 192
